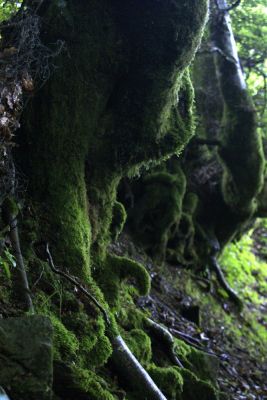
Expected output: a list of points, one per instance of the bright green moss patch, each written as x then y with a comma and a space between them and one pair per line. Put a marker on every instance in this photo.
140, 344
118, 269
71, 382
203, 365
244, 271
169, 380
90, 384
66, 344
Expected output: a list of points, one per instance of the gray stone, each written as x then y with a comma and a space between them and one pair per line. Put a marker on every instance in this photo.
26, 370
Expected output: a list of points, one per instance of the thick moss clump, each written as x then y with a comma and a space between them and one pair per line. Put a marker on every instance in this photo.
140, 344
158, 210
118, 269
118, 219
75, 382
202, 390
169, 380
66, 344
181, 243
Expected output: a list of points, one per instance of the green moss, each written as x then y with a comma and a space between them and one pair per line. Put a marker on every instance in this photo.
129, 316
201, 390
94, 346
100, 353
90, 384
162, 195
125, 102
9, 209
190, 203
66, 344
169, 380
244, 270
140, 344
118, 269
118, 219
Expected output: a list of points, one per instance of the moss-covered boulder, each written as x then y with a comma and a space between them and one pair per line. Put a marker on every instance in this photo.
26, 357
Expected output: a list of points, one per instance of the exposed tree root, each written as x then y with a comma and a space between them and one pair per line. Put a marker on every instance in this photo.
214, 265
163, 335
122, 358
132, 371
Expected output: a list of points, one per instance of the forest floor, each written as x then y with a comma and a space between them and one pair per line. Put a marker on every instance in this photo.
205, 318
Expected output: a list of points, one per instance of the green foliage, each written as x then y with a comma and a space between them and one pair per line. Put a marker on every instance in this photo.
249, 23
8, 8
7, 262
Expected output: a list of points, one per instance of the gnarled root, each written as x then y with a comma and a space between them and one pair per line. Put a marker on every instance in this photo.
214, 265
163, 335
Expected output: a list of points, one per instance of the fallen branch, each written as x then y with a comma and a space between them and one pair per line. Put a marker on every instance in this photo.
227, 57
186, 336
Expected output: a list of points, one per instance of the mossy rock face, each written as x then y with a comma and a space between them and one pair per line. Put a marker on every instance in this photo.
26, 351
